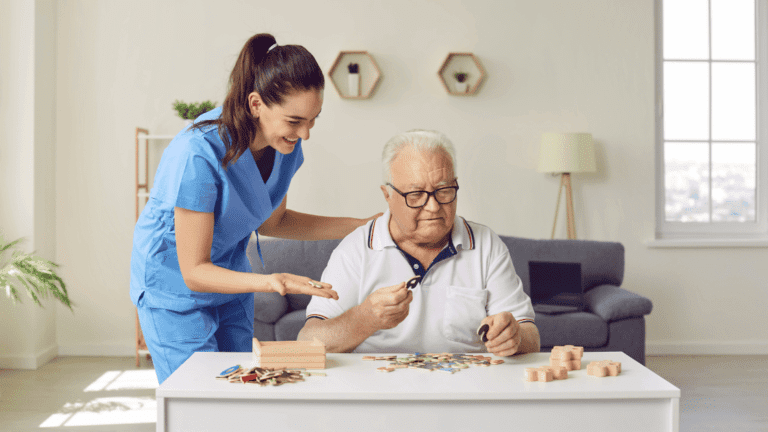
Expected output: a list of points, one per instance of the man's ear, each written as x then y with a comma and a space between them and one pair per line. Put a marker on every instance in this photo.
254, 104
385, 192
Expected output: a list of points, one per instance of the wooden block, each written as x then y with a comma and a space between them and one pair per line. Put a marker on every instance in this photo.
546, 373
569, 365
567, 352
289, 354
531, 374
560, 372
604, 368
295, 365
288, 347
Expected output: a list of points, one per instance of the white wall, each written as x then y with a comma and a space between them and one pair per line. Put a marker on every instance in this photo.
552, 65
27, 191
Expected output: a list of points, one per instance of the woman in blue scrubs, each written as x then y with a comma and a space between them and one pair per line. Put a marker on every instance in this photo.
217, 182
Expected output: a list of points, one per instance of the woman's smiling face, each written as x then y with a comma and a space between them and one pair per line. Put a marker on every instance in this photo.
281, 125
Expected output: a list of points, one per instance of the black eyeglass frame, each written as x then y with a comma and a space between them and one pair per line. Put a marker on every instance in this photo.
429, 194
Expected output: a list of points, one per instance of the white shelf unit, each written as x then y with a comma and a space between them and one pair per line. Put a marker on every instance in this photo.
143, 137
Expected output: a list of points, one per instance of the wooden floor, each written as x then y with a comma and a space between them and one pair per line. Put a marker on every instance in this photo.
718, 393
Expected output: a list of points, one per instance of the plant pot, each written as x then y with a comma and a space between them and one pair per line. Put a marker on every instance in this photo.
462, 87
353, 82
188, 122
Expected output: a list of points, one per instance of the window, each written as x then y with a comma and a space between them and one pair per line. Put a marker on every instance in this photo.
711, 158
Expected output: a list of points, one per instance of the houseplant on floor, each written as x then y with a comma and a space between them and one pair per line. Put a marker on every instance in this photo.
27, 272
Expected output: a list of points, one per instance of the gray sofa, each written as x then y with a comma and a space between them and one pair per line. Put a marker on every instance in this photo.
613, 320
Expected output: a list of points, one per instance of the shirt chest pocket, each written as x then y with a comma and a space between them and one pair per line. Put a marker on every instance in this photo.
464, 309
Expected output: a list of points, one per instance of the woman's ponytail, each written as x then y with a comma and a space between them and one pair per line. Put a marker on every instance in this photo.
273, 74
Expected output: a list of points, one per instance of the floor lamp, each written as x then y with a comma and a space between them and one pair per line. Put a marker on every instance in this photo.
564, 154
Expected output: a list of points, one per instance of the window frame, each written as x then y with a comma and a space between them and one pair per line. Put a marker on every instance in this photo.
718, 230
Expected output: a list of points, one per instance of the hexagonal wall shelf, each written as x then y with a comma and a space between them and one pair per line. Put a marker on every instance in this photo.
355, 74
461, 63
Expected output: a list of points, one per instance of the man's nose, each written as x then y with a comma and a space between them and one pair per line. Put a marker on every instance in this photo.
432, 204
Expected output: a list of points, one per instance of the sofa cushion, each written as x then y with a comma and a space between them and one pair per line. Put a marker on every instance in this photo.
298, 301
268, 307
613, 303
576, 328
289, 326
306, 258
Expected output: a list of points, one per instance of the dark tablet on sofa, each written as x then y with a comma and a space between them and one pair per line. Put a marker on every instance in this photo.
555, 287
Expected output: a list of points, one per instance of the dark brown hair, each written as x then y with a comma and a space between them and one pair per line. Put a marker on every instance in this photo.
273, 74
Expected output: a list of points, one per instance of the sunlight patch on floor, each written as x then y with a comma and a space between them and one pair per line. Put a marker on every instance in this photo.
105, 411
125, 380
111, 410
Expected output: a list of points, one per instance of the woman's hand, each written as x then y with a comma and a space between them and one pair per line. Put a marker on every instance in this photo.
286, 283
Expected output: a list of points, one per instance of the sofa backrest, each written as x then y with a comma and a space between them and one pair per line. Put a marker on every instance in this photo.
602, 263
304, 258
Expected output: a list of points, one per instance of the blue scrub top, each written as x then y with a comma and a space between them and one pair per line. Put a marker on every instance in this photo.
190, 176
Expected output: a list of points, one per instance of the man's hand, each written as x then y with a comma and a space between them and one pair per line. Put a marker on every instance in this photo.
504, 334
388, 307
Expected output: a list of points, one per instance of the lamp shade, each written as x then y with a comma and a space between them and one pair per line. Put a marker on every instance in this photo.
566, 153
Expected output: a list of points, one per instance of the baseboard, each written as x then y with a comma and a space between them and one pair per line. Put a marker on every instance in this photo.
98, 350
31, 361
753, 347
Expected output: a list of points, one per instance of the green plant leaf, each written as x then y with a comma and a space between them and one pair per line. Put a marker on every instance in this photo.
32, 274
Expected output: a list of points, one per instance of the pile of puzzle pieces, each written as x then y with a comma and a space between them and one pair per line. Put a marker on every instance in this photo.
264, 376
444, 362
567, 358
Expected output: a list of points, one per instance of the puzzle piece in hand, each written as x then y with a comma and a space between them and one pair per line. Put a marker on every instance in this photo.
604, 368
568, 356
482, 331
413, 282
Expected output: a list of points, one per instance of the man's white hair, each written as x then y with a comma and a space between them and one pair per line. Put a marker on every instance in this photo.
418, 139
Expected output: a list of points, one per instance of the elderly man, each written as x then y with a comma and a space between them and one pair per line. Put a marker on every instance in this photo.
467, 276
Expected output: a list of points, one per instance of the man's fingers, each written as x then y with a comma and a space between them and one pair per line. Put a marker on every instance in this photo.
508, 348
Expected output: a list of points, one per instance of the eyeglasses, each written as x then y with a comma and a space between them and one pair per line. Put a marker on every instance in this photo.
418, 199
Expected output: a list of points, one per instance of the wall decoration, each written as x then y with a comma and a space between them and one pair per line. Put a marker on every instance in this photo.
461, 74
355, 74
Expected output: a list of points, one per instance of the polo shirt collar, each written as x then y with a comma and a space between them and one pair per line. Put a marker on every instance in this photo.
379, 237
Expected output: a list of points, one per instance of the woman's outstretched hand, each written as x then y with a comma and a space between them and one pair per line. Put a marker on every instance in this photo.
286, 283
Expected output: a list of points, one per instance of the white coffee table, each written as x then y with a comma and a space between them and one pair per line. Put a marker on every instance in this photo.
354, 396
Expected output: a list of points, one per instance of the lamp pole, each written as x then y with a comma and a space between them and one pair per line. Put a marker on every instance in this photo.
565, 182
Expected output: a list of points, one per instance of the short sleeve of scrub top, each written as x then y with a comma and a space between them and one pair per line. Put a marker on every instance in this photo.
190, 176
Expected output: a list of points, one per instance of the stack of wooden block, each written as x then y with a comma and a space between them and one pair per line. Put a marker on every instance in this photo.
567, 356
289, 354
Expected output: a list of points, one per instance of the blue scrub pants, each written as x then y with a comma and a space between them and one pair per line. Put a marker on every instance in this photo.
172, 337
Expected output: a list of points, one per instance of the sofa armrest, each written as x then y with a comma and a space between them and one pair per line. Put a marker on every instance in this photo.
613, 303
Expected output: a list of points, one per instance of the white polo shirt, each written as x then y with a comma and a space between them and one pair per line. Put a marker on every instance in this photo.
472, 278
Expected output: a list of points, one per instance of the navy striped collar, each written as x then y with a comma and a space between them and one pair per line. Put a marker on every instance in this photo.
380, 238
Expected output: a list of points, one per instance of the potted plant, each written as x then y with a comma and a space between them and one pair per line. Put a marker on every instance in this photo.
462, 86
29, 273
190, 111
354, 79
